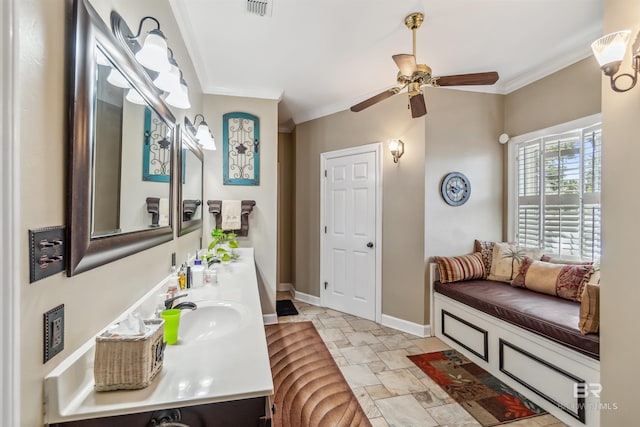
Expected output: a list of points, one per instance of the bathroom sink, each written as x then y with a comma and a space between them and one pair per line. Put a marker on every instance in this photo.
212, 319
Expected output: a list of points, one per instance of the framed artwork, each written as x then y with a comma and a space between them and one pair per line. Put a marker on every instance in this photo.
241, 149
156, 155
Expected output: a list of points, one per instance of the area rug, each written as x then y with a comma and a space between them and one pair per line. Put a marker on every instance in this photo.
309, 388
285, 307
490, 401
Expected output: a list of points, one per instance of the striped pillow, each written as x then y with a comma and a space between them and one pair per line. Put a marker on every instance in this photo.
458, 268
590, 310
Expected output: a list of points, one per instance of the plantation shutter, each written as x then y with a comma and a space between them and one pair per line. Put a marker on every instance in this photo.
591, 190
529, 180
561, 222
559, 187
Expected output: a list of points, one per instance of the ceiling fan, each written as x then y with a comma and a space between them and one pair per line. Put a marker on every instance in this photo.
413, 76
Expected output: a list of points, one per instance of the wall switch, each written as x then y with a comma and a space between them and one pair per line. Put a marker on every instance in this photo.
53, 332
46, 254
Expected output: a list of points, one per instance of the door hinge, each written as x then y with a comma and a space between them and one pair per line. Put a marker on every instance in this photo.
325, 173
325, 229
326, 284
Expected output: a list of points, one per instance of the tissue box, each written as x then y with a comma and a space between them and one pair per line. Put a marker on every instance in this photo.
129, 362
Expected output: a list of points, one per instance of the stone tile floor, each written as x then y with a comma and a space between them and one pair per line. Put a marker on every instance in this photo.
390, 388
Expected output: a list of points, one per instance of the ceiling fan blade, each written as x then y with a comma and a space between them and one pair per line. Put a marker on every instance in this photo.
406, 63
375, 99
488, 78
418, 106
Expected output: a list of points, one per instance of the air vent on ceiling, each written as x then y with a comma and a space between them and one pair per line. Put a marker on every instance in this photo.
260, 7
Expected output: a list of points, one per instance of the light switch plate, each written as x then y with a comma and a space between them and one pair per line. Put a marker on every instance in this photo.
46, 254
53, 332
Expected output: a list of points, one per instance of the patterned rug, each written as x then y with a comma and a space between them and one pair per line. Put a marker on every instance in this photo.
309, 389
486, 398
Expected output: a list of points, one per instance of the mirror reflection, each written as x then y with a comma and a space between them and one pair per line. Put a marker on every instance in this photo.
131, 157
117, 115
190, 168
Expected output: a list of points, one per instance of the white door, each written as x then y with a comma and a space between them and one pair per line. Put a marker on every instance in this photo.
350, 246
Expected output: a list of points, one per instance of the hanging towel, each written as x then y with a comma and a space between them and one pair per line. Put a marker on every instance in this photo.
163, 211
231, 210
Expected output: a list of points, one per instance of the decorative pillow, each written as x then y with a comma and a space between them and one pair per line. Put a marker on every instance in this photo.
506, 260
486, 251
590, 310
595, 275
563, 280
459, 268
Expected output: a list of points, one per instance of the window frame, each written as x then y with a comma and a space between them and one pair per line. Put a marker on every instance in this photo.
512, 165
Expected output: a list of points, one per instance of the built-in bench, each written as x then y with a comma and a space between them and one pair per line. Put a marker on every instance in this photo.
527, 339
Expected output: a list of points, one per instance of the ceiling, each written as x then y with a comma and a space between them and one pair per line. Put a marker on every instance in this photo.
319, 57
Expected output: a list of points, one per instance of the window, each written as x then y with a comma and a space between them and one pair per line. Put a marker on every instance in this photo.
557, 186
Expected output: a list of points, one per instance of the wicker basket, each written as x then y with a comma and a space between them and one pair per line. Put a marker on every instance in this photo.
129, 362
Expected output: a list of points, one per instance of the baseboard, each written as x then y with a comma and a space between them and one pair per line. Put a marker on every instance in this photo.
309, 299
406, 326
270, 319
284, 287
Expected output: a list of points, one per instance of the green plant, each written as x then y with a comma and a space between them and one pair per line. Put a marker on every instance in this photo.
217, 251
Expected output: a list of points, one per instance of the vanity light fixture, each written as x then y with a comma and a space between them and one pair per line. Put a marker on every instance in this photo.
396, 147
169, 80
179, 97
153, 54
609, 51
202, 134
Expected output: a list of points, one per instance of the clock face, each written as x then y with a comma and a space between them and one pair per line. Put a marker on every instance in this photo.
455, 189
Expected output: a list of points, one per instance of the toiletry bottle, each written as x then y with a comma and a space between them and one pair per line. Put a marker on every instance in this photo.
189, 276
197, 273
173, 283
182, 278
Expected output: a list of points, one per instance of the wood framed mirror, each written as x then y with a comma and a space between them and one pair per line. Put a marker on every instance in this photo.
190, 170
114, 111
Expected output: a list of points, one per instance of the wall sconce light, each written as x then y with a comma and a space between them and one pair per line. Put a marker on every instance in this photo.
179, 97
169, 80
202, 134
396, 147
609, 52
153, 54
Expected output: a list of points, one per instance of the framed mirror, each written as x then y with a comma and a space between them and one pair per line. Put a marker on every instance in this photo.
115, 113
190, 169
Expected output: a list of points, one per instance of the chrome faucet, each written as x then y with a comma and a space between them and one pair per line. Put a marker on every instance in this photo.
181, 306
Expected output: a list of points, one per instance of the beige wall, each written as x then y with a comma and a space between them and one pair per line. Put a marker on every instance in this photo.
619, 346
286, 185
563, 96
94, 298
461, 135
263, 221
403, 200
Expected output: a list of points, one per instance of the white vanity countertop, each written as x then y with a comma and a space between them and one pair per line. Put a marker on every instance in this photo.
231, 365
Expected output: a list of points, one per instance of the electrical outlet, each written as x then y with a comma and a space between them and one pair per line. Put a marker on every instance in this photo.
53, 332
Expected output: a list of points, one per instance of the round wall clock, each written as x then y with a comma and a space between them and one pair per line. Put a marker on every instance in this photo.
455, 189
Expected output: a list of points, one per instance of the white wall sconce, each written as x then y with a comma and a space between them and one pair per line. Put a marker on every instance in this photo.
609, 51
179, 97
202, 134
169, 80
396, 147
153, 54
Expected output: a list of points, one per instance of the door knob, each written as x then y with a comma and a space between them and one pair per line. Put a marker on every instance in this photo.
370, 244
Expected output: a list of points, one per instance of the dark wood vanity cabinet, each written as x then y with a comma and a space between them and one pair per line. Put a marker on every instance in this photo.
255, 412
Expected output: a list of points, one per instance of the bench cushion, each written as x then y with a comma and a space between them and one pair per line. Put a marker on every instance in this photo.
549, 316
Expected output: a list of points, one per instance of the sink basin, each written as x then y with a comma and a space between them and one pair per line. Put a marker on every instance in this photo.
212, 319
